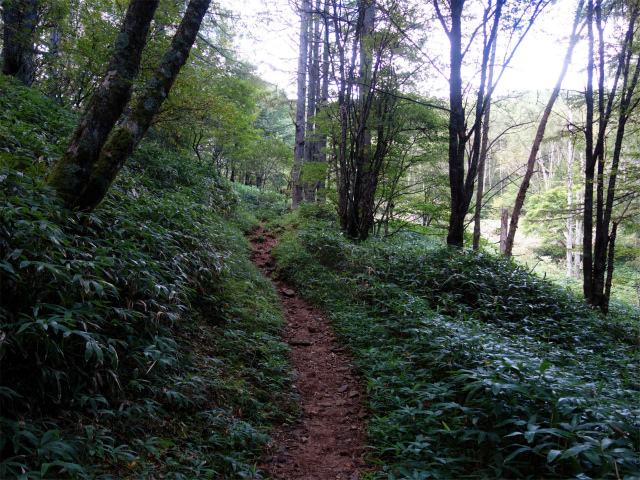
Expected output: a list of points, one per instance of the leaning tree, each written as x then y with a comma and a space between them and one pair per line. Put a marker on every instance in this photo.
97, 152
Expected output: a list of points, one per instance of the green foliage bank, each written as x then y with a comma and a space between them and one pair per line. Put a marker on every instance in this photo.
137, 341
474, 367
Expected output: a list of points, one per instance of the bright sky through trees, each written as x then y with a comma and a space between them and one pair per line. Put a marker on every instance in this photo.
269, 34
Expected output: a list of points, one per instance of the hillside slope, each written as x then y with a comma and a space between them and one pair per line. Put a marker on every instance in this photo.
474, 367
137, 341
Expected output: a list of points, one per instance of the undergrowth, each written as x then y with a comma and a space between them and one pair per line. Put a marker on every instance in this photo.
474, 367
137, 341
264, 205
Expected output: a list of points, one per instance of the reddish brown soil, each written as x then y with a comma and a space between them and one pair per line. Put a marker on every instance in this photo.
326, 442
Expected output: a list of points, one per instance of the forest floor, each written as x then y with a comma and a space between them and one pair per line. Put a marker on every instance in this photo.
326, 441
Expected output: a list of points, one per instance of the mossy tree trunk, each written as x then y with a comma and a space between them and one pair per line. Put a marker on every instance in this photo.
125, 138
71, 174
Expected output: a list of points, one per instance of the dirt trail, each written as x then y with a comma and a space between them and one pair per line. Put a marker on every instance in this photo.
326, 442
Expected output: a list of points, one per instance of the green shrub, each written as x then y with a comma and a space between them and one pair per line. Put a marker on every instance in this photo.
317, 211
33, 128
264, 204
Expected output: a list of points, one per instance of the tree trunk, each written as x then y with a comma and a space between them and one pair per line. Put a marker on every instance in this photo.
569, 224
524, 186
19, 19
124, 140
604, 307
71, 174
361, 220
324, 99
600, 255
342, 170
504, 222
483, 156
298, 154
462, 186
605, 241
311, 149
578, 236
457, 129
54, 65
589, 169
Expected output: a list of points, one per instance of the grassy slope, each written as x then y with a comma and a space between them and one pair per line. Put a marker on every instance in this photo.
137, 341
474, 367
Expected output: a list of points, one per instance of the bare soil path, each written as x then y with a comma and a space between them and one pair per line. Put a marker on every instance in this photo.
326, 442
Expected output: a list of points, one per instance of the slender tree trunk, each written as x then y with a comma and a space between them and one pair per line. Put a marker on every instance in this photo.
309, 179
604, 306
324, 99
299, 149
589, 169
569, 223
524, 186
53, 54
605, 240
344, 97
71, 174
601, 237
578, 236
483, 156
342, 171
19, 19
601, 253
504, 222
125, 139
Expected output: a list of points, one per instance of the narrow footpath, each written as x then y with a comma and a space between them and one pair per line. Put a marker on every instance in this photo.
326, 442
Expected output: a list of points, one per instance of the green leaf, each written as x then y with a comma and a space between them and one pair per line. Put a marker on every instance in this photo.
606, 443
531, 432
545, 366
552, 455
7, 266
513, 454
98, 288
575, 450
